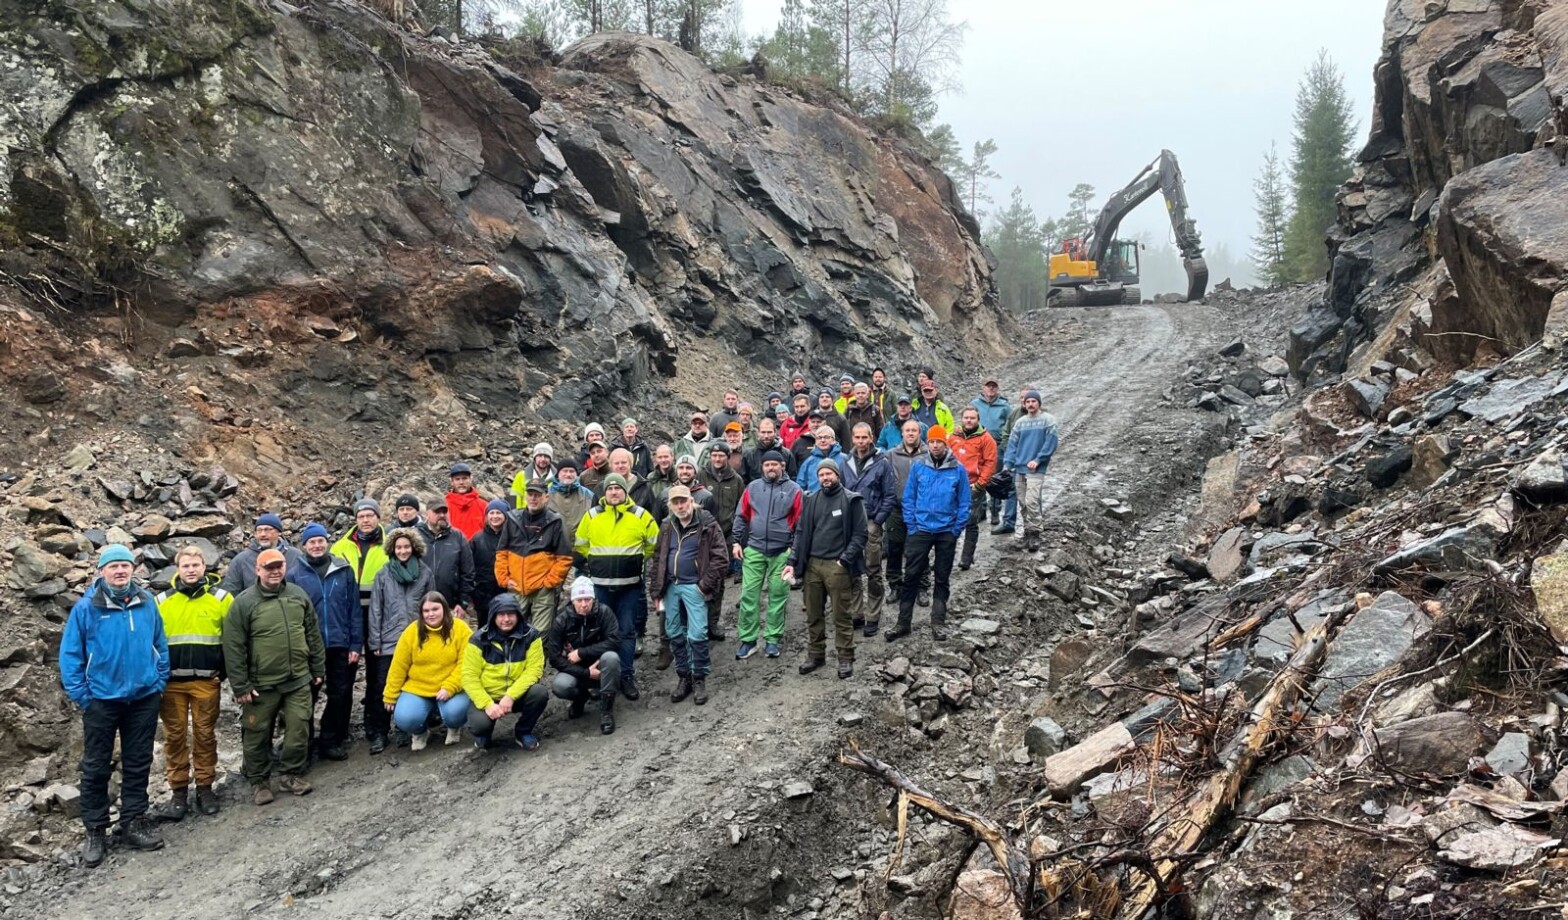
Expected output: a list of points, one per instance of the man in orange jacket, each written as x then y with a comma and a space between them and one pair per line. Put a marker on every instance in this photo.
466, 505
535, 555
976, 450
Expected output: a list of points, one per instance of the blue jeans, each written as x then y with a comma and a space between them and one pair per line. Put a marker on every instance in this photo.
631, 617
1010, 510
412, 713
686, 625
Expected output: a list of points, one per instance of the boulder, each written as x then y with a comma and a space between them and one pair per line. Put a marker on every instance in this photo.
1508, 398
1384, 470
1545, 480
31, 566
1067, 659
1440, 744
1044, 737
1549, 582
1226, 559
1373, 639
1067, 770
1429, 460
1367, 396
982, 894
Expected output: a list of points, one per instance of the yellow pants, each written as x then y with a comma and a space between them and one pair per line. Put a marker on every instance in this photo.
190, 731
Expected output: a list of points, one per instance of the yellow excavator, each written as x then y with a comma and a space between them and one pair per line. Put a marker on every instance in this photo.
1098, 269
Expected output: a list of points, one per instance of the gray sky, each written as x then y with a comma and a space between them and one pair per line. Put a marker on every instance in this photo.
1212, 80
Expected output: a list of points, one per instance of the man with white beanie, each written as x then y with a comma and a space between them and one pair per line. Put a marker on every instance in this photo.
581, 647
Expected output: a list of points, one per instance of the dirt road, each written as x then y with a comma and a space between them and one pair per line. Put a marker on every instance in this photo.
647, 819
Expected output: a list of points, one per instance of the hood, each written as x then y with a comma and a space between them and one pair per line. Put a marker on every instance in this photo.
948, 461
412, 533
833, 454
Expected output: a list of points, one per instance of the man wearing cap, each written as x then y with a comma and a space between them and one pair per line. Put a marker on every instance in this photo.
893, 431
568, 498
273, 650
726, 486
827, 449
268, 535
591, 476
613, 542
797, 423
114, 663
936, 510
1031, 445
735, 440
687, 474
465, 505
869, 472
535, 555
929, 407
485, 545
329, 582
449, 558
192, 612
593, 433
685, 578
362, 549
728, 412
764, 532
767, 441
582, 648
902, 458
502, 667
694, 443
541, 466
880, 396
860, 411
627, 440
831, 416
830, 541
994, 410
975, 451
846, 394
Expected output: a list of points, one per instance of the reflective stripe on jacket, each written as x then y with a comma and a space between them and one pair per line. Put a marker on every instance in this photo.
613, 541
193, 626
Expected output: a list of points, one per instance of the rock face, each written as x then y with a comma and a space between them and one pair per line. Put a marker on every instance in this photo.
1467, 95
591, 217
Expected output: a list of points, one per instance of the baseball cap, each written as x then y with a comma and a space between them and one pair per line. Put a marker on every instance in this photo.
269, 558
537, 485
460, 469
676, 491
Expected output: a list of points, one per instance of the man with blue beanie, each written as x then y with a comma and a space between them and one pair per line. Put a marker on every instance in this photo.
116, 627
268, 535
334, 591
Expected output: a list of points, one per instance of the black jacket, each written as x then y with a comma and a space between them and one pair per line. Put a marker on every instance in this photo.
820, 510
451, 563
591, 636
483, 548
751, 461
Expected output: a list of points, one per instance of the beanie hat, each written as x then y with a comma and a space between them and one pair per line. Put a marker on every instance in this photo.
582, 587
497, 504
827, 463
543, 447
825, 392
774, 456
367, 504
848, 377
616, 479
407, 500
628, 421
567, 464
685, 460
592, 427
719, 447
503, 602
269, 520
312, 531
115, 552
775, 395
936, 433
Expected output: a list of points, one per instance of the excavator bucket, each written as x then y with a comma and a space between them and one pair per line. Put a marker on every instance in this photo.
1197, 279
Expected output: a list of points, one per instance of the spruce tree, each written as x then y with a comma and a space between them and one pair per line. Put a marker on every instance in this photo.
1268, 246
1319, 164
1014, 237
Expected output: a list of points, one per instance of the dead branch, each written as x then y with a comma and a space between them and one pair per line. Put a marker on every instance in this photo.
1009, 855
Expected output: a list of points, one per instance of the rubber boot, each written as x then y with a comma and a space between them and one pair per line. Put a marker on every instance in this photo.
906, 615
939, 620
607, 712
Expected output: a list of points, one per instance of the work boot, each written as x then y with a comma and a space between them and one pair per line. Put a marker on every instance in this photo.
923, 599
294, 784
665, 657
95, 848
1003, 529
206, 800
871, 630
1031, 542
579, 703
939, 621
682, 689
378, 743
607, 712
811, 664
334, 751
846, 670
178, 805
261, 794
906, 615
699, 692
143, 834
629, 689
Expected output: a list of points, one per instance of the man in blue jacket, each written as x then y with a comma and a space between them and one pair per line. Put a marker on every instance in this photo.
869, 472
114, 664
994, 410
1031, 444
333, 590
936, 510
827, 449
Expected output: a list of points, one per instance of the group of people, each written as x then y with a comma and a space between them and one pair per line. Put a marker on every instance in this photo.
454, 605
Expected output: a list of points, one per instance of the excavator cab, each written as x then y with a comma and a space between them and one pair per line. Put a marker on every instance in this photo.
1121, 262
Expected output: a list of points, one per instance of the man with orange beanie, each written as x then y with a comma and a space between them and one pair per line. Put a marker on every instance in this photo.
936, 510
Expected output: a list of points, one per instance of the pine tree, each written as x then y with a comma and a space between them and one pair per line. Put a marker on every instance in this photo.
942, 146
843, 23
976, 172
1268, 247
1015, 238
1319, 164
1075, 224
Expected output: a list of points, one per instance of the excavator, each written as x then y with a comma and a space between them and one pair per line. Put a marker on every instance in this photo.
1098, 269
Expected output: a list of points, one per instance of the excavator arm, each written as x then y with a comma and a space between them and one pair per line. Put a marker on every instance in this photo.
1163, 175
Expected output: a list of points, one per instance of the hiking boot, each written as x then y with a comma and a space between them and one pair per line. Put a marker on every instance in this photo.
964, 566
579, 703
871, 630
607, 713
699, 691
665, 657
939, 621
95, 848
294, 784
178, 805
378, 743
454, 735
846, 670
772, 650
206, 800
1031, 542
334, 752
1003, 529
857, 623
142, 834
528, 741
629, 688
261, 794
811, 664
682, 689
923, 599
745, 650
418, 742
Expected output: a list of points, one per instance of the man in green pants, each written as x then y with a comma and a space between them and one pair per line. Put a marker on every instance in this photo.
273, 652
764, 529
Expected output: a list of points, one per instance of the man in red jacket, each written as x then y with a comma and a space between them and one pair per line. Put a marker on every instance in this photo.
976, 450
467, 507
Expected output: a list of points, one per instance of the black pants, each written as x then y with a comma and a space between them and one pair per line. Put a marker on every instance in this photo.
917, 561
377, 720
136, 722
340, 697
972, 529
895, 536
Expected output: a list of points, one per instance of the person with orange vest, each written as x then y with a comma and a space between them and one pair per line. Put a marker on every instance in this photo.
534, 556
975, 449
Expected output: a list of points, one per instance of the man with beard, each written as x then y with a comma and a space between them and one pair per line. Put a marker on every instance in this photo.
936, 510
534, 556
465, 505
767, 440
449, 558
764, 532
869, 472
829, 542
688, 566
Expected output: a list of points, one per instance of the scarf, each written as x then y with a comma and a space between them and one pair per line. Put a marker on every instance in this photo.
122, 594
404, 573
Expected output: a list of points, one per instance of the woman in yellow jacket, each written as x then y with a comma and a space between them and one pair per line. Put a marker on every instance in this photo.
501, 670
427, 673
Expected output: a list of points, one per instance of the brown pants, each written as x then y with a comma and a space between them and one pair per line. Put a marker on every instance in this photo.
191, 704
827, 581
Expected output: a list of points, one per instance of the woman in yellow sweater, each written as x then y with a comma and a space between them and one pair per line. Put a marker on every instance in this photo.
427, 673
